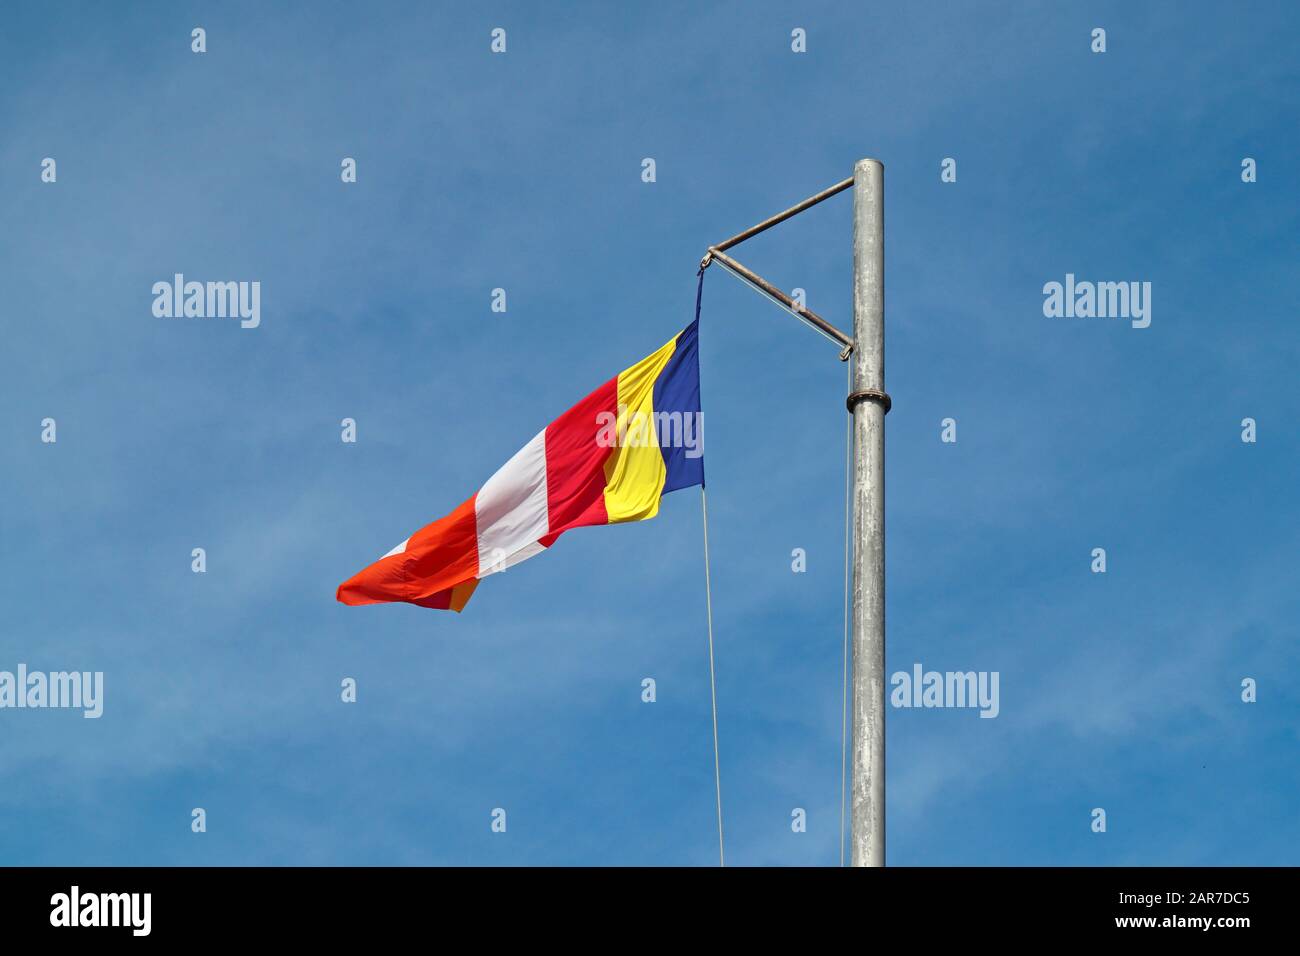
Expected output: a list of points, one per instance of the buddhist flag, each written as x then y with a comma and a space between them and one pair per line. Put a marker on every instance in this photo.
607, 460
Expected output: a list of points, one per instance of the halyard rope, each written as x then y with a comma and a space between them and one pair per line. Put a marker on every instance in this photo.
708, 603
713, 689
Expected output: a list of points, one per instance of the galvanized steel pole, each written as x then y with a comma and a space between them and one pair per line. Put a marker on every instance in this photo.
868, 403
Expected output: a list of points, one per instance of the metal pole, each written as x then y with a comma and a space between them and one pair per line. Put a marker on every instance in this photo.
869, 403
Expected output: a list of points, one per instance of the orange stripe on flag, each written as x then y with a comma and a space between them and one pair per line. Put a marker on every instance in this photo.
438, 557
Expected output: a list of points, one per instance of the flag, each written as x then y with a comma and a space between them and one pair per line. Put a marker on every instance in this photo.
607, 460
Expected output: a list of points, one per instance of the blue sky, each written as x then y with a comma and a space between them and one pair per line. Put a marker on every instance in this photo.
522, 171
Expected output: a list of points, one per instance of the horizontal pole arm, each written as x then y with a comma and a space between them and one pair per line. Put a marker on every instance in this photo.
782, 216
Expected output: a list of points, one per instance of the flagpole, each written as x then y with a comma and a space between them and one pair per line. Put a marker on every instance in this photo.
868, 402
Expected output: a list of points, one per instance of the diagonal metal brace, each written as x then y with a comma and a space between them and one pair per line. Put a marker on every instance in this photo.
801, 312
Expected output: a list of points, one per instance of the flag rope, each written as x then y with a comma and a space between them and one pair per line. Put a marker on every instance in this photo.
708, 604
713, 686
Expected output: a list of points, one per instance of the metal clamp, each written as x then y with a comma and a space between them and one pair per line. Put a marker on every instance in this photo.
869, 395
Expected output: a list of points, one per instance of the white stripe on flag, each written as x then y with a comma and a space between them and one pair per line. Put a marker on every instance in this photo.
511, 509
523, 554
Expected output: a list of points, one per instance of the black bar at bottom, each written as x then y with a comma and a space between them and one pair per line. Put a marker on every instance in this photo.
368, 905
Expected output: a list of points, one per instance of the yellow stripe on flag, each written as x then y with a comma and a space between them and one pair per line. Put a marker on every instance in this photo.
634, 473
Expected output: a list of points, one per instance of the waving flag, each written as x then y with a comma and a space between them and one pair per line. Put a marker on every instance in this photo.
607, 460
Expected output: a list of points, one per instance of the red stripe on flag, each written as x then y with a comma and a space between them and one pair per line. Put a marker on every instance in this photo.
575, 464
